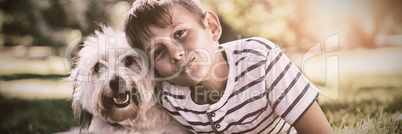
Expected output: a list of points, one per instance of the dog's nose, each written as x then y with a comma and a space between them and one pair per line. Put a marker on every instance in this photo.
117, 84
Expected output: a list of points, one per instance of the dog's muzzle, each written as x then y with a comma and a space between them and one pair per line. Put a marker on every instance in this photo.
121, 97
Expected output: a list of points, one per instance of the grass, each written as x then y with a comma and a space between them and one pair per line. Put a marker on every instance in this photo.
35, 116
50, 116
366, 116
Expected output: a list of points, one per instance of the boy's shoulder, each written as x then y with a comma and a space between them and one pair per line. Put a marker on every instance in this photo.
250, 43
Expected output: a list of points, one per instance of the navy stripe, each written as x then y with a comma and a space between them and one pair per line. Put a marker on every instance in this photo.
188, 127
261, 42
174, 95
242, 89
249, 130
201, 132
249, 69
166, 99
187, 110
277, 79
274, 126
212, 123
273, 62
288, 131
206, 132
287, 89
269, 89
247, 86
231, 110
268, 125
274, 84
316, 96
198, 123
183, 109
295, 101
274, 107
160, 101
247, 51
238, 61
171, 112
259, 111
240, 106
243, 104
282, 127
253, 83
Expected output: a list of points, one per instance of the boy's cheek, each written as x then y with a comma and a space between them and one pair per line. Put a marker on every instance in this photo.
160, 69
158, 73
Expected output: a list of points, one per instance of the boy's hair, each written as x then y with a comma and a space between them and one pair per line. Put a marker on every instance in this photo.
145, 13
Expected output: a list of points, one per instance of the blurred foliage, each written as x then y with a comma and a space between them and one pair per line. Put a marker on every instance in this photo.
35, 116
301, 24
52, 22
290, 23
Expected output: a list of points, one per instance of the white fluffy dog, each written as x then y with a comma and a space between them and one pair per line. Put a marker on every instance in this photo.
113, 90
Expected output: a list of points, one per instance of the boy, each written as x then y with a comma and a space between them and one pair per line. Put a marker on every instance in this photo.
244, 86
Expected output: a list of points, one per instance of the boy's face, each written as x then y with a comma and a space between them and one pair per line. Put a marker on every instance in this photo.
184, 51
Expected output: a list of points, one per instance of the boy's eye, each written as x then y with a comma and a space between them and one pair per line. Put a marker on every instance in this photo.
179, 33
159, 51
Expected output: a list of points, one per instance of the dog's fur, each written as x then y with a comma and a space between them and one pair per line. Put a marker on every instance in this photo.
109, 68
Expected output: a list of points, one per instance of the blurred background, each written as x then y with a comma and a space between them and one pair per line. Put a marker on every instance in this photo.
350, 49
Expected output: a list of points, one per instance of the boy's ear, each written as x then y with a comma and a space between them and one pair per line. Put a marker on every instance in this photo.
211, 21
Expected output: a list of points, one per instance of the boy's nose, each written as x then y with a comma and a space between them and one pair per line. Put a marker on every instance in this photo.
176, 53
177, 56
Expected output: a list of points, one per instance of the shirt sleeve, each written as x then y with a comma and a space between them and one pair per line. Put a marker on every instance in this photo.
290, 93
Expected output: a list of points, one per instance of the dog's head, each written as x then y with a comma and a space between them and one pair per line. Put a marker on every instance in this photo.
111, 80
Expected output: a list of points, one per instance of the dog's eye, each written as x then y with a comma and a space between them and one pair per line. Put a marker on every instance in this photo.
97, 67
129, 61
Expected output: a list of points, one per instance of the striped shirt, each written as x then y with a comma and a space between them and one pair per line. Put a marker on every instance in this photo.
265, 93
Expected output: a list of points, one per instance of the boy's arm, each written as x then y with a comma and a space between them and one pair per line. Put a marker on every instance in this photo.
313, 122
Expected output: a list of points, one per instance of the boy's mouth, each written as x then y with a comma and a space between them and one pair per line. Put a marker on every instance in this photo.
186, 67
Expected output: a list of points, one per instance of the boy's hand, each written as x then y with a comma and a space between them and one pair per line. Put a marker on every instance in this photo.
313, 122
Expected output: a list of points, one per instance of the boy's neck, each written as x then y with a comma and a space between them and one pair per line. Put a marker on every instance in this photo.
218, 75
213, 88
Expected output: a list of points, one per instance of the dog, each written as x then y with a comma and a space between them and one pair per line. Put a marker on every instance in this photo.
113, 90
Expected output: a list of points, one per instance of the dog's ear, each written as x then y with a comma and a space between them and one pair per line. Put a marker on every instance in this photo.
82, 114
85, 120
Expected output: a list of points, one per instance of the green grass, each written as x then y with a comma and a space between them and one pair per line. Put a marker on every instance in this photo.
49, 116
366, 116
35, 116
